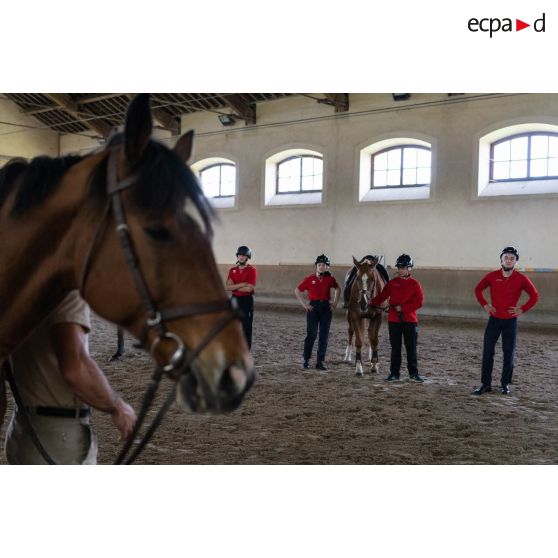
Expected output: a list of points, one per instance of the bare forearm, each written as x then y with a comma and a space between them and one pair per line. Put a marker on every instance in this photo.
299, 298
336, 293
91, 386
245, 289
234, 287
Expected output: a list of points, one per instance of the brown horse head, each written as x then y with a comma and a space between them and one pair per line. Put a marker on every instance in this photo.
168, 221
365, 284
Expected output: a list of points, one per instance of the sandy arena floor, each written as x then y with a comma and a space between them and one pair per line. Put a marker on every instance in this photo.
293, 416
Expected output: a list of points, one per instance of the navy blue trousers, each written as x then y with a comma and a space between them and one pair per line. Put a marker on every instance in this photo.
399, 333
494, 328
246, 307
318, 319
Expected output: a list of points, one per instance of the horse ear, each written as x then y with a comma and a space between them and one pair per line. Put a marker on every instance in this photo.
138, 128
184, 145
114, 137
357, 264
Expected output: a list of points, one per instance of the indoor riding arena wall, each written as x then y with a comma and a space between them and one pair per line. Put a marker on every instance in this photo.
454, 228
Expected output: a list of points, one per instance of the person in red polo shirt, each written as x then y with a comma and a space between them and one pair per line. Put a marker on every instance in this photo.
241, 280
405, 298
506, 286
318, 310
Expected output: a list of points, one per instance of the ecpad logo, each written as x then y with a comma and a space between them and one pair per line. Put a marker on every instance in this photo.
494, 24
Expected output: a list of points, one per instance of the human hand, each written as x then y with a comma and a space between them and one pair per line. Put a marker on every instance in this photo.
489, 308
515, 311
308, 308
397, 307
124, 418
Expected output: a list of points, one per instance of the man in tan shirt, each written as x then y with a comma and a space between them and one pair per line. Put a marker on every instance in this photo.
58, 381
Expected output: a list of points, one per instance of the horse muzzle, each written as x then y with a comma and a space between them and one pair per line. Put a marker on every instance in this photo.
195, 393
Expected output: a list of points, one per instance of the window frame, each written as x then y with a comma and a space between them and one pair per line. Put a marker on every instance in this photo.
220, 196
400, 185
300, 190
529, 135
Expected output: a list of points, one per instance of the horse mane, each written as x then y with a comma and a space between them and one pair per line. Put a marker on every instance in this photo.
164, 184
38, 179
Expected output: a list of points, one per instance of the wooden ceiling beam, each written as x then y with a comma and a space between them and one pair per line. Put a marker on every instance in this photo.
167, 120
66, 103
97, 98
338, 100
243, 110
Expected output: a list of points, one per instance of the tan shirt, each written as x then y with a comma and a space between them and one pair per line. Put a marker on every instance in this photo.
35, 364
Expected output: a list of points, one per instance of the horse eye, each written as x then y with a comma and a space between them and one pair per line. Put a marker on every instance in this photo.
160, 234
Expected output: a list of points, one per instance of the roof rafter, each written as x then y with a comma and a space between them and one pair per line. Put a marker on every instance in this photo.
243, 110
65, 102
338, 100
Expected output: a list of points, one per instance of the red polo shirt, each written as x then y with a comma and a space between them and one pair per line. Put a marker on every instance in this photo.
318, 287
247, 274
405, 292
505, 292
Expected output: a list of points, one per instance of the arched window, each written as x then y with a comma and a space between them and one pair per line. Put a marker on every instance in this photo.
529, 156
401, 166
219, 180
300, 174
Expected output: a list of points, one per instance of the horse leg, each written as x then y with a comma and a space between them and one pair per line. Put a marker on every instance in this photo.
349, 349
359, 336
119, 344
373, 334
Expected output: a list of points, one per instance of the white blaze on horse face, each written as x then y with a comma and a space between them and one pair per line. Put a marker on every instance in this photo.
192, 211
365, 288
365, 282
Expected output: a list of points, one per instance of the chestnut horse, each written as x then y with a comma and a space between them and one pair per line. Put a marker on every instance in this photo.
368, 283
57, 233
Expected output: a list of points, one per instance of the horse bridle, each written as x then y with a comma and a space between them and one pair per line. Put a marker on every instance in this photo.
366, 294
181, 360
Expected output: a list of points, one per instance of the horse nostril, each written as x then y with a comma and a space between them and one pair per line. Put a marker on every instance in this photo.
235, 382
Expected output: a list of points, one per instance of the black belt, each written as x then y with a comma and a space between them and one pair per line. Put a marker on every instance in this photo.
61, 412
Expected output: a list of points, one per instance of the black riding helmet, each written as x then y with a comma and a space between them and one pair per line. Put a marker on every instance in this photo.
244, 251
404, 260
322, 258
510, 250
